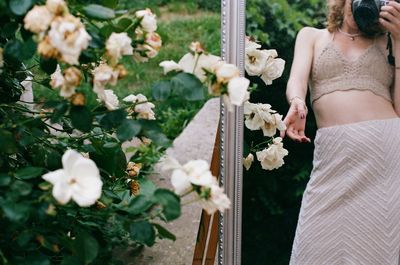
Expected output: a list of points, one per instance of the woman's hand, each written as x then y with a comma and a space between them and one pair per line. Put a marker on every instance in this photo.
295, 121
390, 19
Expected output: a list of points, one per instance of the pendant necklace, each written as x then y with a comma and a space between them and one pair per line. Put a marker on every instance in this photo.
351, 36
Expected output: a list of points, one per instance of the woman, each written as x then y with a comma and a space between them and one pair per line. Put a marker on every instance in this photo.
350, 211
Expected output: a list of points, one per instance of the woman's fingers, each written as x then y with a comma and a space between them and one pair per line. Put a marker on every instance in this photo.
304, 138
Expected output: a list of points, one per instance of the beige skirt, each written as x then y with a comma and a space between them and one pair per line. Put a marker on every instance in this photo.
350, 210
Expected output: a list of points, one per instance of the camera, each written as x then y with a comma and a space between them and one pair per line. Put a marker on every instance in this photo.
366, 15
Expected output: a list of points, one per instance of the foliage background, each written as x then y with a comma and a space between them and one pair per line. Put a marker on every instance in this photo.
272, 199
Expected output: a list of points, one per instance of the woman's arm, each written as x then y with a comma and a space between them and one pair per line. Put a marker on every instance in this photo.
296, 89
390, 19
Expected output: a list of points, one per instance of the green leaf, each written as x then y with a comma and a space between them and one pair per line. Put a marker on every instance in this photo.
128, 129
139, 205
164, 233
15, 212
70, 260
161, 90
20, 7
157, 137
143, 232
12, 51
5, 180
189, 86
86, 247
81, 118
22, 188
110, 3
28, 172
113, 119
48, 65
7, 142
170, 203
28, 49
99, 12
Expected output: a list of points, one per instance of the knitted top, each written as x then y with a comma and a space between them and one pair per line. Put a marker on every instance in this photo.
331, 71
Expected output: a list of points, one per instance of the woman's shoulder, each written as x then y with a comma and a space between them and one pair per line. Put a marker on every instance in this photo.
312, 32
311, 35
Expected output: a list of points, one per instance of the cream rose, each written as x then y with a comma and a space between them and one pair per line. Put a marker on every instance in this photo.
169, 66
247, 161
103, 75
109, 99
273, 70
272, 157
38, 19
56, 7
148, 20
197, 63
69, 36
117, 45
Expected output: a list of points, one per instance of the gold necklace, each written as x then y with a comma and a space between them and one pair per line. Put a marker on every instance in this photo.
351, 36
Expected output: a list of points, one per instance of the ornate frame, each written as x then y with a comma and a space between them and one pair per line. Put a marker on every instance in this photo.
233, 19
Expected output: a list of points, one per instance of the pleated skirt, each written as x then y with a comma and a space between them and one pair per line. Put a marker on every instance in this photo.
350, 209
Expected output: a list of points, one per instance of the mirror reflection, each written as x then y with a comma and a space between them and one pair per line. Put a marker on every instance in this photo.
330, 199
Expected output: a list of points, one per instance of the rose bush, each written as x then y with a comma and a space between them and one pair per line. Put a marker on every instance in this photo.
74, 161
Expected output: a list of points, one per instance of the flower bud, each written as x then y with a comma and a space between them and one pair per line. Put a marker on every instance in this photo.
78, 99
72, 76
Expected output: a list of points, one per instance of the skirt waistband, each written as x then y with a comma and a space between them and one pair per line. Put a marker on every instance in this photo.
376, 122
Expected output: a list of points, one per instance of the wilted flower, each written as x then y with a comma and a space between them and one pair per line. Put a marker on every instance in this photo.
272, 157
57, 7
69, 36
248, 161
79, 179
38, 19
142, 53
46, 49
78, 99
273, 70
196, 47
109, 99
135, 187
72, 76
133, 169
117, 45
148, 20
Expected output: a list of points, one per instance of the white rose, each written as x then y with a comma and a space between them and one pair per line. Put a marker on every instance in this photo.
144, 108
251, 44
225, 72
253, 119
273, 70
237, 92
272, 157
154, 40
216, 201
130, 98
79, 179
103, 75
69, 36
256, 61
109, 99
270, 126
199, 173
148, 20
195, 63
169, 66
38, 19
56, 6
248, 161
117, 45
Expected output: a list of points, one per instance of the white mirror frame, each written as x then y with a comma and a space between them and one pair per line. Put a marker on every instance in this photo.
233, 19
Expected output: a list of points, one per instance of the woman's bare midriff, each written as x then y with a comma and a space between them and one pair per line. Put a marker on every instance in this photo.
343, 107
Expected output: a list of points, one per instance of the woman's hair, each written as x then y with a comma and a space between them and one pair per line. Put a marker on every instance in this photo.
335, 14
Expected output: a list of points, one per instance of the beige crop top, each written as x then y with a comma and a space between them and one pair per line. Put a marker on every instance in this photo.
331, 71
